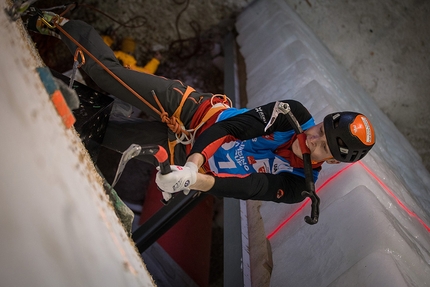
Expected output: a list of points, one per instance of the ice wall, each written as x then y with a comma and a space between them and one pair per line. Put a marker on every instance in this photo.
57, 226
374, 215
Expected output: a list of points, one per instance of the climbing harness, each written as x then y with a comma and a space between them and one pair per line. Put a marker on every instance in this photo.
186, 136
183, 136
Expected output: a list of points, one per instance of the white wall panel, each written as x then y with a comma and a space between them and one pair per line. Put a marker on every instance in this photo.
374, 216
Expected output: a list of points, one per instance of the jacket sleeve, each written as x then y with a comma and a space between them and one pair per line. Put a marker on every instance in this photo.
284, 187
248, 125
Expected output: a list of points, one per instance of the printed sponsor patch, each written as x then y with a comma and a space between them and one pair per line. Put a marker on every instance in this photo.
362, 129
280, 165
262, 169
251, 160
260, 112
261, 165
187, 183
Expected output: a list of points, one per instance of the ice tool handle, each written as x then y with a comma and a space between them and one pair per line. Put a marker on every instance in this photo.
135, 150
284, 108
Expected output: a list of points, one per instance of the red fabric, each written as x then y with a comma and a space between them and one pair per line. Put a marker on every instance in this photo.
202, 110
188, 242
286, 152
302, 142
199, 115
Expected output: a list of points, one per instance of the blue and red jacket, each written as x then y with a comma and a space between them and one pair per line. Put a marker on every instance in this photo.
249, 163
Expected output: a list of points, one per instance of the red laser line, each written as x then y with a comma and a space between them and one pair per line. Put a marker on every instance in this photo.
390, 192
306, 201
381, 183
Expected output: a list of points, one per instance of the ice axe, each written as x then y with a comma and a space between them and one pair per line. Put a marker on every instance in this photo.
284, 108
135, 150
169, 214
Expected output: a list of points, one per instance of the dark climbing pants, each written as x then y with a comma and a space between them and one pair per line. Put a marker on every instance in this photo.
169, 93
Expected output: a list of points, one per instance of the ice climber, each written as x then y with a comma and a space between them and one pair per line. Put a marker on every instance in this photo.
214, 147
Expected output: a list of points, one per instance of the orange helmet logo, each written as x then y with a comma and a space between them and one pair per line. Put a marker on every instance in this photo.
363, 129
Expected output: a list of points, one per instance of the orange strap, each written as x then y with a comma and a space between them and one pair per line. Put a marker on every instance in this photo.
178, 124
216, 108
178, 111
207, 116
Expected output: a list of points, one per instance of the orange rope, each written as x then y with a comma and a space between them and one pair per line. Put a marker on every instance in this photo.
172, 122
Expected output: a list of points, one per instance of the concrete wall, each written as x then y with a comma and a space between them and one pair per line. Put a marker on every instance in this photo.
57, 226
373, 228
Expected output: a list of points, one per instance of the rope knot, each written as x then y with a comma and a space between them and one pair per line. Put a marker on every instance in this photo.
173, 124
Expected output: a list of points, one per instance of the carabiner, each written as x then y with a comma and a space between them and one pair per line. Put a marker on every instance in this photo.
79, 52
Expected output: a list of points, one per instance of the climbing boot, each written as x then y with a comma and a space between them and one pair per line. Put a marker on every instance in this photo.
43, 22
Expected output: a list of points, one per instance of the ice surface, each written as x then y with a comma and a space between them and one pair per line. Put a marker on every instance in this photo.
58, 227
374, 216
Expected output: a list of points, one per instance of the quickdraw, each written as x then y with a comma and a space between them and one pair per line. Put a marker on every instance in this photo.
76, 65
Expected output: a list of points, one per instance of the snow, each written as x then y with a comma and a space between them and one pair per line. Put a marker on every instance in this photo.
373, 228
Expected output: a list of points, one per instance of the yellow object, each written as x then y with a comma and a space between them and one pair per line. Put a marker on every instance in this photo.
126, 59
108, 40
130, 62
151, 66
128, 45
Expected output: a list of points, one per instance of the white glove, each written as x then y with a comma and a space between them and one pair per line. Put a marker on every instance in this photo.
180, 179
166, 196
